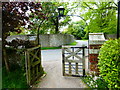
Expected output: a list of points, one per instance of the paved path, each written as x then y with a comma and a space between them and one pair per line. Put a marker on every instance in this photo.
52, 63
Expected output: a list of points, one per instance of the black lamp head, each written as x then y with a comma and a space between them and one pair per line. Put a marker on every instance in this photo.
61, 11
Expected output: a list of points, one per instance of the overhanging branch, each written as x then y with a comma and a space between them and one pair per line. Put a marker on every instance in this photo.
80, 17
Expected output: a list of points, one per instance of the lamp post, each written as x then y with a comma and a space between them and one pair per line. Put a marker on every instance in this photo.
60, 14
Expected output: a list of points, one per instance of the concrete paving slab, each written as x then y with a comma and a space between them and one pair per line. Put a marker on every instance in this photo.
55, 79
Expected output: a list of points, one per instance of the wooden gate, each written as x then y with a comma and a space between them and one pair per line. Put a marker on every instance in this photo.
73, 59
33, 64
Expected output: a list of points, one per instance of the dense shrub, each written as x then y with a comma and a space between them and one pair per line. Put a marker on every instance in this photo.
109, 63
14, 79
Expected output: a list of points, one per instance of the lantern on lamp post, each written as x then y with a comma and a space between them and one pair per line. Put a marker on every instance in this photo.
61, 11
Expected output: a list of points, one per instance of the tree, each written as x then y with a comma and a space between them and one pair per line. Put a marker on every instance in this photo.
76, 29
50, 25
15, 15
101, 16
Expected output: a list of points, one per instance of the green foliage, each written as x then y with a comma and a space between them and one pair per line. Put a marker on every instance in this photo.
24, 31
14, 79
52, 23
73, 43
109, 62
76, 29
101, 17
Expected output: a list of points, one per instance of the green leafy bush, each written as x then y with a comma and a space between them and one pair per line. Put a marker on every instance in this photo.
109, 63
95, 82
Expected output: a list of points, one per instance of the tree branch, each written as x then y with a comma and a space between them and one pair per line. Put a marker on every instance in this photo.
54, 21
115, 4
109, 8
87, 5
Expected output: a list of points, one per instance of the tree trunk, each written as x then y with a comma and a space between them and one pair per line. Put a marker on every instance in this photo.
4, 58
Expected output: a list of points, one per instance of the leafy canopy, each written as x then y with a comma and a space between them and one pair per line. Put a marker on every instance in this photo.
101, 16
53, 22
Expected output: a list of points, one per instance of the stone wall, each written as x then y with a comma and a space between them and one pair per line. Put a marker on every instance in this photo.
46, 40
55, 40
110, 36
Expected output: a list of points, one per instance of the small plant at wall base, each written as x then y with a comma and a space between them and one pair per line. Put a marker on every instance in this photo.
109, 62
94, 81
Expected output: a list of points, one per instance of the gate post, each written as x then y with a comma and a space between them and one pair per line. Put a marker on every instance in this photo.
26, 65
83, 61
95, 42
63, 62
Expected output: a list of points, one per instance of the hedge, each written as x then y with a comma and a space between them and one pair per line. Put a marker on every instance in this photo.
109, 63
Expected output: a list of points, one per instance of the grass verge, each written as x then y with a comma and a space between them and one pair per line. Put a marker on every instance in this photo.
73, 43
14, 79
45, 48
0, 78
